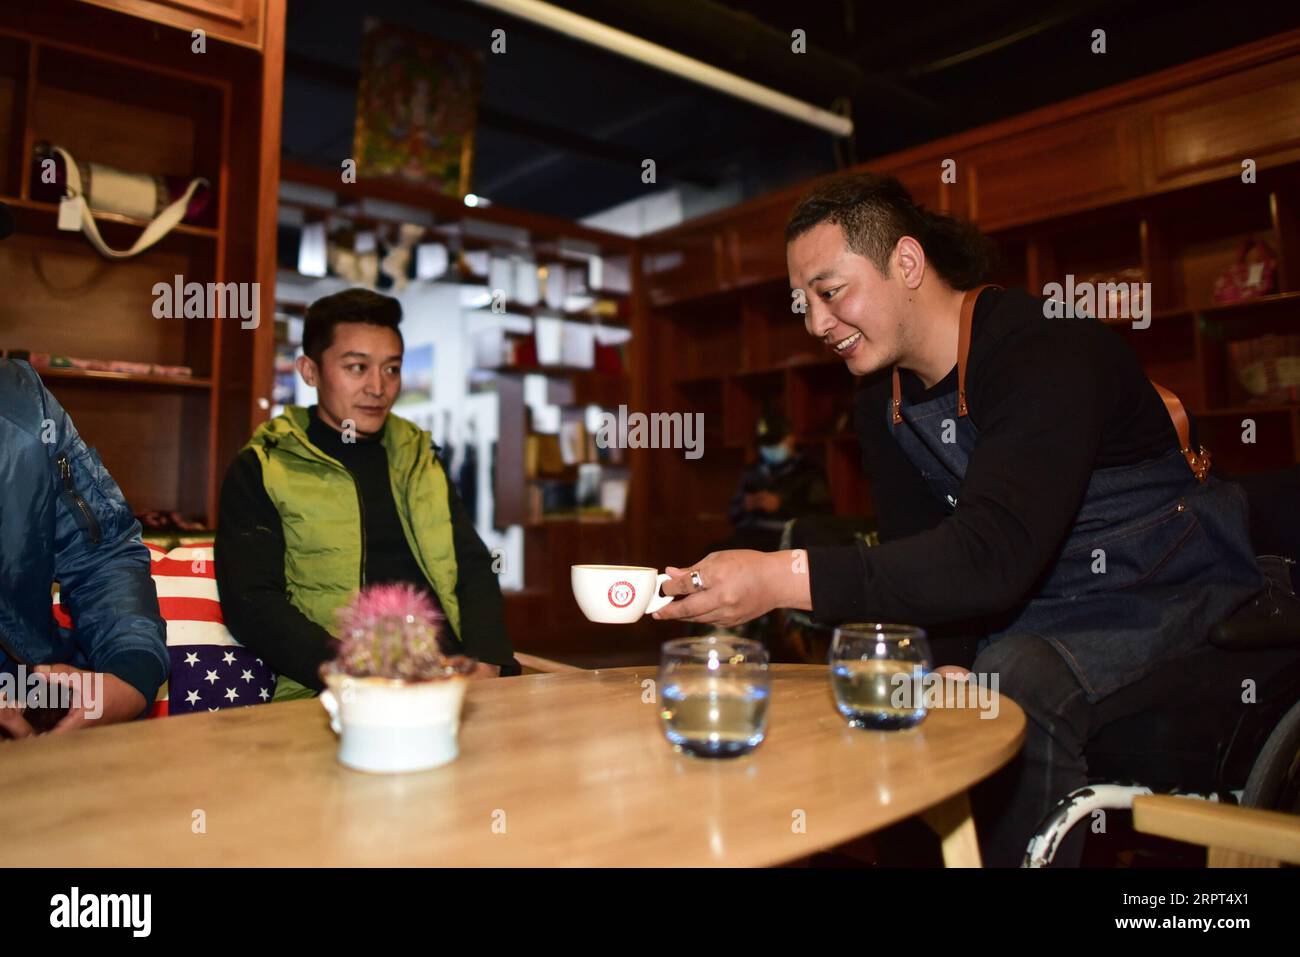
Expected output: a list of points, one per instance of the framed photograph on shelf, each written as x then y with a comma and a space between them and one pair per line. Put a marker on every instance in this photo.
417, 376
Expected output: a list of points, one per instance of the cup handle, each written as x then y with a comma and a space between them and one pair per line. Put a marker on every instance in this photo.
331, 705
660, 600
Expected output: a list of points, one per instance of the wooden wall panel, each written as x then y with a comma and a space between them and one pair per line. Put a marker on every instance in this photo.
238, 21
924, 181
13, 73
756, 240
1054, 171
1206, 131
41, 276
683, 264
142, 440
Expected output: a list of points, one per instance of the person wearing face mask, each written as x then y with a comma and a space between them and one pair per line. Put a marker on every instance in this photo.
779, 486
1028, 480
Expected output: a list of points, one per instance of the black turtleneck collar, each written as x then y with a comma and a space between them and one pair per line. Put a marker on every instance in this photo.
329, 439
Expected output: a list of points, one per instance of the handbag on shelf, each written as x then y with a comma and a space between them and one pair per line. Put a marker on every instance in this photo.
1248, 277
83, 189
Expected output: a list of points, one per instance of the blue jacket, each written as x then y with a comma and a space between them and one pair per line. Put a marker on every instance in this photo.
63, 518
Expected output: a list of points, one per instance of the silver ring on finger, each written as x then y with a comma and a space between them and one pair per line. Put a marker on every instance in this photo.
696, 581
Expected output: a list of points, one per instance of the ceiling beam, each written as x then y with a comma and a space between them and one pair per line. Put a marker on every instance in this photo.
670, 61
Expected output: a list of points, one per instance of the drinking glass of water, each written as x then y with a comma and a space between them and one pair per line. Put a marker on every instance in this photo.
714, 692
877, 674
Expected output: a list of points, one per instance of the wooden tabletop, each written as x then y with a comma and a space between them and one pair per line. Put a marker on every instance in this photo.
555, 769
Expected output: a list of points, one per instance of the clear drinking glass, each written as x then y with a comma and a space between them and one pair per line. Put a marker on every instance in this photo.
713, 693
877, 673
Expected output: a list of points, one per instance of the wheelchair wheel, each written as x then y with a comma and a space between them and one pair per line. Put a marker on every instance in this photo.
1274, 782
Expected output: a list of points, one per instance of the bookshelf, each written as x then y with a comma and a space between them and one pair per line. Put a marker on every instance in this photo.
120, 90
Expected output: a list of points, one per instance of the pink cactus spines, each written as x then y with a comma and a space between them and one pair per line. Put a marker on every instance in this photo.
401, 601
390, 631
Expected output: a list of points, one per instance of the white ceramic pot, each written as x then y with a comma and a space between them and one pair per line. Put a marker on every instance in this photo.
388, 726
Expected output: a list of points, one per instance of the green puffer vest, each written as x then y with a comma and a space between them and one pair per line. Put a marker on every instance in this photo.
324, 535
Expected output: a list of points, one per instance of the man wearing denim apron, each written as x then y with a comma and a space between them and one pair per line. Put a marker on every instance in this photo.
1030, 483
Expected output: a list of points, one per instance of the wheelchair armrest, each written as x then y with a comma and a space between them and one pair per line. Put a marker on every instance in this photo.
1265, 834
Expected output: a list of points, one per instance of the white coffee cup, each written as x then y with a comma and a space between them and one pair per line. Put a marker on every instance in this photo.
617, 594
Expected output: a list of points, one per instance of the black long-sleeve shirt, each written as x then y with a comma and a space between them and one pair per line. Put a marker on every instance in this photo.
250, 564
1052, 399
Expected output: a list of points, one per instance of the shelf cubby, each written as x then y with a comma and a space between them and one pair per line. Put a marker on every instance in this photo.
1273, 438
747, 398
118, 96
1220, 329
14, 76
818, 397
850, 488
1195, 235
774, 334
85, 104
698, 341
1086, 246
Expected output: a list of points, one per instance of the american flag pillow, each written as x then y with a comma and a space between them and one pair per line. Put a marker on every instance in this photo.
209, 669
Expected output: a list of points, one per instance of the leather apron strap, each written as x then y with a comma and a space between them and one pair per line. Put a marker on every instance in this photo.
963, 353
1198, 460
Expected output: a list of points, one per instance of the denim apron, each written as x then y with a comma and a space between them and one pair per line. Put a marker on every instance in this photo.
1175, 551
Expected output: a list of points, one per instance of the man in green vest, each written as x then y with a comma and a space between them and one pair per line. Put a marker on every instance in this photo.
324, 500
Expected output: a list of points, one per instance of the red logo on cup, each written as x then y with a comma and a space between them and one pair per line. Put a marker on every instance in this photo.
621, 594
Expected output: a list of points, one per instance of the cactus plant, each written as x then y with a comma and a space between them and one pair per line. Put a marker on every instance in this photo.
392, 631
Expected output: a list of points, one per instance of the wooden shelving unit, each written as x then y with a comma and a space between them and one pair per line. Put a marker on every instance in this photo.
118, 89
51, 212
127, 379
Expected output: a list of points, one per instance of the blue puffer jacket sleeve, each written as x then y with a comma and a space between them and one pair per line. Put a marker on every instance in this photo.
101, 564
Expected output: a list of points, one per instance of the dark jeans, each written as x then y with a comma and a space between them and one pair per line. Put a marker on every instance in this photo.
1187, 710
1010, 805
1060, 722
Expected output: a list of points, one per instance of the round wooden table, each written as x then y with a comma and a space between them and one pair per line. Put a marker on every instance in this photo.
555, 769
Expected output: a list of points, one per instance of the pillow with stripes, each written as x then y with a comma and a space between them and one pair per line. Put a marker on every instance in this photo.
209, 669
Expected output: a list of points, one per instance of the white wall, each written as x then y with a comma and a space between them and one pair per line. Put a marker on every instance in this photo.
432, 313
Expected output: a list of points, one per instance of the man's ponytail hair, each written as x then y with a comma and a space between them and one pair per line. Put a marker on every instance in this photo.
876, 211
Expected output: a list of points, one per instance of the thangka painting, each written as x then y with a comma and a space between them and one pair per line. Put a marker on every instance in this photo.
417, 107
